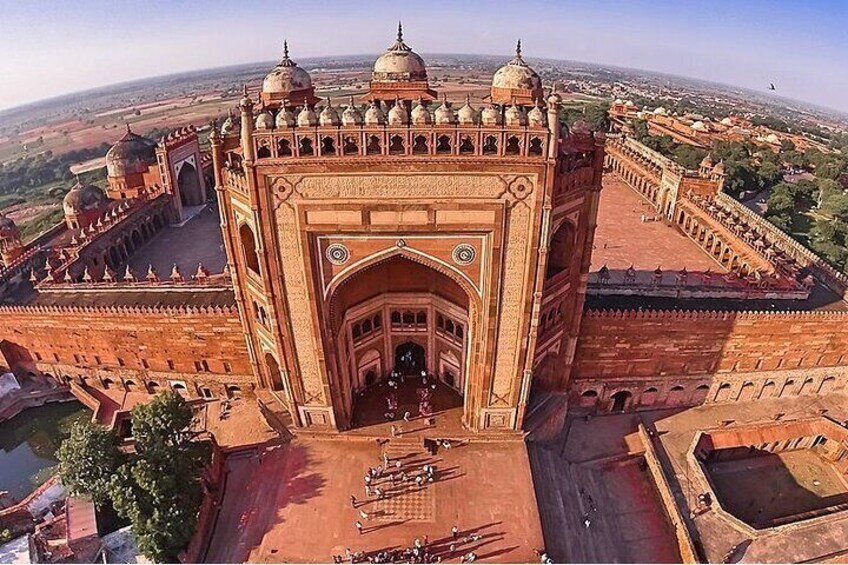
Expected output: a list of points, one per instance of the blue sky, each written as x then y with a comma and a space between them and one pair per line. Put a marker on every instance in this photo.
54, 47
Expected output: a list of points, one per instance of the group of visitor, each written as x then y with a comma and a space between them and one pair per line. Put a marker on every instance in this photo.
422, 550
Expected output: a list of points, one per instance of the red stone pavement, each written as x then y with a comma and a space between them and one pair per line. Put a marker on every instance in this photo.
622, 239
292, 504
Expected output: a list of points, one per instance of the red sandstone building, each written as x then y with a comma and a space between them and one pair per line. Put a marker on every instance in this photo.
411, 235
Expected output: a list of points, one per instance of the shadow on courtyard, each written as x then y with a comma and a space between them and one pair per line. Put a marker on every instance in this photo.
767, 489
258, 489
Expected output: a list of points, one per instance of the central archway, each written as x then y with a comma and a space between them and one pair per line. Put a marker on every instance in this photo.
399, 315
410, 358
188, 182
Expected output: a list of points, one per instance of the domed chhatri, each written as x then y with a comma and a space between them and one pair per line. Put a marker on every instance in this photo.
11, 246
400, 73
132, 154
287, 82
130, 164
83, 205
516, 82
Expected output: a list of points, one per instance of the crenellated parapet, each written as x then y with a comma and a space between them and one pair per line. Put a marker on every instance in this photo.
725, 315
137, 310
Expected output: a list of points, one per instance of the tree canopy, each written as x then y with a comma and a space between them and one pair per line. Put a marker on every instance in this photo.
157, 488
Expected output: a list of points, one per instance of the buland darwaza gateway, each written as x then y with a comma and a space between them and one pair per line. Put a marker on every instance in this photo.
402, 232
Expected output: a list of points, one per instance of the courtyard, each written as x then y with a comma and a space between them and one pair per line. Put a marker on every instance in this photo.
766, 487
622, 239
291, 503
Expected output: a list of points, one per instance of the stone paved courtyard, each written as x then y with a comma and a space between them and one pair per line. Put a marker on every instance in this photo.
293, 503
622, 239
766, 486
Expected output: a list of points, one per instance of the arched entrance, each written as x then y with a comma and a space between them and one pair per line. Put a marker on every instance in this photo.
188, 182
274, 375
410, 358
394, 318
620, 400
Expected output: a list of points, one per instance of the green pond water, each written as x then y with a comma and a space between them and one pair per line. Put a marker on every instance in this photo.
28, 444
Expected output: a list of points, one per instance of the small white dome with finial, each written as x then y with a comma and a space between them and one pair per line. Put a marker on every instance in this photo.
285, 119
514, 116
351, 115
306, 117
230, 125
397, 114
490, 116
536, 117
421, 115
374, 115
467, 115
444, 113
264, 120
329, 116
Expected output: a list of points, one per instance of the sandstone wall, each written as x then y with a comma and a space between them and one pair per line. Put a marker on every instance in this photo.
727, 355
203, 347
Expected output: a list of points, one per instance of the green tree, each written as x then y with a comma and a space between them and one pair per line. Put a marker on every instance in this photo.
640, 129
159, 490
781, 200
827, 238
87, 461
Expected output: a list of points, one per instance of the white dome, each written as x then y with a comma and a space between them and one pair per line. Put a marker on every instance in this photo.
328, 116
351, 115
490, 116
444, 114
286, 77
421, 115
285, 119
307, 117
374, 115
399, 63
518, 75
397, 114
264, 120
467, 115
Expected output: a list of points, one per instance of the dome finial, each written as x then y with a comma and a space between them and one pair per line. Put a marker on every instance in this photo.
518, 49
400, 31
285, 49
128, 128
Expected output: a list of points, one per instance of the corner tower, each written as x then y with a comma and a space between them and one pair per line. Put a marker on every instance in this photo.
413, 242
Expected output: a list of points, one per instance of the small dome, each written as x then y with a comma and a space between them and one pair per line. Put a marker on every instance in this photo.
374, 115
230, 125
131, 154
707, 161
421, 115
726, 122
517, 76
660, 111
329, 116
83, 198
514, 116
285, 119
307, 117
8, 229
536, 117
351, 115
399, 63
286, 78
554, 100
699, 126
397, 114
444, 113
490, 116
467, 115
719, 168
264, 120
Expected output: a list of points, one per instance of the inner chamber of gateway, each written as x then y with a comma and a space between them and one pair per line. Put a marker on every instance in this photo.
400, 316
